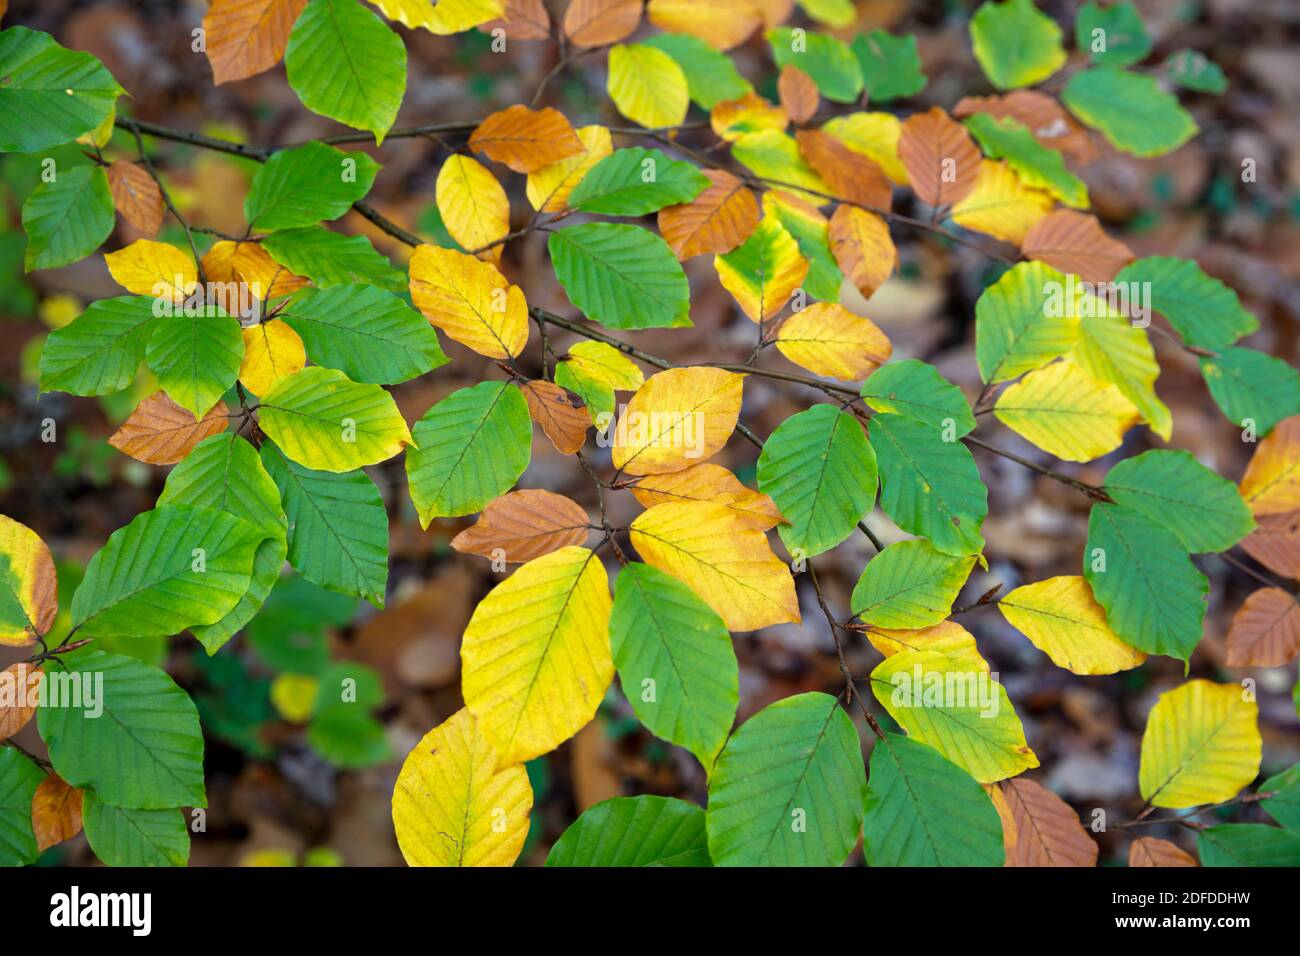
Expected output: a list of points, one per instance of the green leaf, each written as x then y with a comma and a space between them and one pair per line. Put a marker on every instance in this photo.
1112, 349
349, 738
19, 778
345, 63
1036, 165
1192, 70
812, 235
675, 661
915, 389
1248, 844
1204, 511
331, 259
1132, 111
924, 810
1252, 388
136, 744
711, 77
788, 788
1014, 330
322, 419
929, 486
634, 831
820, 470
831, 64
1153, 595
1284, 805
620, 275
1113, 35
338, 528
909, 585
1203, 310
306, 185
891, 67
473, 446
1015, 43
834, 13
99, 351
169, 569
50, 94
196, 357
636, 181
68, 217
125, 837
368, 334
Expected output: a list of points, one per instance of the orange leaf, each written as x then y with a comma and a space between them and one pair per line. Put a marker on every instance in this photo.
862, 246
562, 415
1271, 484
1275, 543
720, 23
523, 525
1047, 119
1047, 831
526, 139
524, 20
709, 482
136, 196
798, 94
56, 812
716, 221
1265, 631
1152, 851
245, 37
18, 683
160, 432
941, 159
599, 22
850, 175
266, 278
1070, 241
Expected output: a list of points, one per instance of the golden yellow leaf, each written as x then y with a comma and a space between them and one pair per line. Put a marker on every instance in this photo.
720, 23
875, 136
647, 85
252, 265
160, 432
470, 300
863, 248
473, 205
445, 17
456, 803
1066, 412
947, 638
1063, 620
828, 339
29, 585
678, 418
548, 188
272, 350
1201, 745
536, 657
732, 119
711, 483
1000, 205
1271, 485
602, 363
526, 139
155, 269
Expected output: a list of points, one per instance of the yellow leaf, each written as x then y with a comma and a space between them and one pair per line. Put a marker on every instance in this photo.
774, 157
473, 205
153, 268
444, 18
863, 248
1000, 205
720, 23
1063, 620
947, 638
828, 339
548, 188
711, 483
677, 418
875, 136
732, 119
470, 300
728, 564
272, 350
535, 656
647, 85
605, 365
294, 696
763, 271
456, 804
266, 279
28, 588
1111, 349
1066, 412
1201, 745
1271, 485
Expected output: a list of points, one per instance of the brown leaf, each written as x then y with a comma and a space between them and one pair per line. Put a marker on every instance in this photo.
56, 812
863, 248
245, 37
136, 196
523, 20
598, 22
1047, 119
850, 175
1150, 851
1047, 830
18, 683
716, 221
1070, 241
562, 415
1265, 630
526, 139
798, 94
523, 525
941, 159
160, 432
1275, 543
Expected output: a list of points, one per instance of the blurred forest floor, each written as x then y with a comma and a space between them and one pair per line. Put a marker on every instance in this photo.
274, 797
